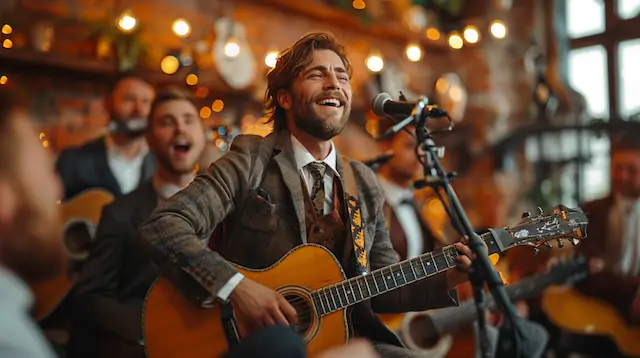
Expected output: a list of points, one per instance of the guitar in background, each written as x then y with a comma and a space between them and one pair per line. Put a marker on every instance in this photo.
447, 332
80, 216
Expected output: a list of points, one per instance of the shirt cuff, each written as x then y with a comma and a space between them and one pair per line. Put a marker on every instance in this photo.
228, 287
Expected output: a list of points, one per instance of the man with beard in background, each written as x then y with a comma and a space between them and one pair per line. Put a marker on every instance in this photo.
30, 249
119, 161
269, 195
107, 303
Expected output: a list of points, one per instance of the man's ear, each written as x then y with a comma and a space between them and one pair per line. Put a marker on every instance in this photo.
284, 99
8, 203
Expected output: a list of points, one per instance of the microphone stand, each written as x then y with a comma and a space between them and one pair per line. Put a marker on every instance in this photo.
482, 270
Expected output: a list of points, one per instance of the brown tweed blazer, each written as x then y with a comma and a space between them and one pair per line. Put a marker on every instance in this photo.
255, 191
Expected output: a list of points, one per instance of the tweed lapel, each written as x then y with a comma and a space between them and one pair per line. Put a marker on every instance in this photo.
287, 163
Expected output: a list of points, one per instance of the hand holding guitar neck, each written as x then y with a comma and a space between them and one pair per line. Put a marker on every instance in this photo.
460, 275
262, 305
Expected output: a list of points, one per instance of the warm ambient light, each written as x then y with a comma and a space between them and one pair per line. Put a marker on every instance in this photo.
471, 34
498, 29
358, 4
169, 64
455, 41
192, 79
433, 34
375, 63
205, 112
231, 48
414, 52
181, 28
3, 80
217, 105
7, 43
271, 58
127, 22
6, 29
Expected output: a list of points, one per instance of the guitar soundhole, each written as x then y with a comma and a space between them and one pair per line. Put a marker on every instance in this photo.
305, 312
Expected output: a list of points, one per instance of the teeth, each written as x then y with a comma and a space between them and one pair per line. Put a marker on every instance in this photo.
332, 101
181, 142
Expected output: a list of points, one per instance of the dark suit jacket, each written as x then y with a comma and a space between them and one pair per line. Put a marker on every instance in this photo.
86, 167
616, 290
108, 298
262, 231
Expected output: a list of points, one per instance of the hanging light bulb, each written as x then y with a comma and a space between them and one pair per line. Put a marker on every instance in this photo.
127, 22
455, 41
414, 52
498, 29
375, 62
271, 59
471, 34
231, 48
181, 28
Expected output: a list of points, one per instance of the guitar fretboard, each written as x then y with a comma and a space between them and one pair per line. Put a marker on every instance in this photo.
357, 289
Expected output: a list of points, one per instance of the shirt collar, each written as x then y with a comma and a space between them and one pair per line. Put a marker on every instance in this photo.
165, 190
394, 193
14, 288
112, 150
304, 157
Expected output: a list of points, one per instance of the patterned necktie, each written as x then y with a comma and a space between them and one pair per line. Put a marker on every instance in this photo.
317, 170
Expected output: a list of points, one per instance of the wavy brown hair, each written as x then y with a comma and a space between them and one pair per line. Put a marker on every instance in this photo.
289, 65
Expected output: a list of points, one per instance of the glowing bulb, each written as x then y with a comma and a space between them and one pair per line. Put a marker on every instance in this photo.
7, 43
127, 22
217, 105
205, 112
3, 80
6, 29
375, 63
231, 48
169, 64
271, 59
455, 41
471, 34
358, 4
498, 29
433, 34
181, 27
414, 53
192, 79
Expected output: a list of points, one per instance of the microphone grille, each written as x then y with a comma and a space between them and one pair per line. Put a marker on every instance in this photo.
378, 104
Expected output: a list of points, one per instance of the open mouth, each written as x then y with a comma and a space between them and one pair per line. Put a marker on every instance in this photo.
330, 102
181, 147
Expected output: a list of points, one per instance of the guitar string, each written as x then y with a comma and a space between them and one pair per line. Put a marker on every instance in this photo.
393, 268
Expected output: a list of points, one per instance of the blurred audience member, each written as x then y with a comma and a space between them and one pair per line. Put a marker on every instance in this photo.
119, 161
30, 249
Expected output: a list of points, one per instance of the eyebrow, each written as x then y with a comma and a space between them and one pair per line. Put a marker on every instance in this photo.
325, 69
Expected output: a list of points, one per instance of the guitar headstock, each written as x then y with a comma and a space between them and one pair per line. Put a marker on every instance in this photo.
560, 224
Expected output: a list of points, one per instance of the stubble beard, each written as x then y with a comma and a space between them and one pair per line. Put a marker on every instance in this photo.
307, 120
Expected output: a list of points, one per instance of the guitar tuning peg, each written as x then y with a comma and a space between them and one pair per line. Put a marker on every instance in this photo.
540, 209
575, 242
526, 215
536, 250
548, 245
560, 243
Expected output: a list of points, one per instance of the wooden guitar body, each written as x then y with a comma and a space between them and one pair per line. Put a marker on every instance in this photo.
79, 216
180, 329
585, 315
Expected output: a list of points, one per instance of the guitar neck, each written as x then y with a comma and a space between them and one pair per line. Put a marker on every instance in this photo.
357, 289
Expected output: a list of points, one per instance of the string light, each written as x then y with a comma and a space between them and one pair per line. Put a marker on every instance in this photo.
498, 29
358, 4
192, 79
231, 48
181, 28
471, 34
3, 80
375, 63
169, 64
455, 41
414, 52
127, 22
433, 34
271, 59
217, 105
6, 29
7, 43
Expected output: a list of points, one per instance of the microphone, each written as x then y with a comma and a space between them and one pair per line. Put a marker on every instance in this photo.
375, 162
384, 106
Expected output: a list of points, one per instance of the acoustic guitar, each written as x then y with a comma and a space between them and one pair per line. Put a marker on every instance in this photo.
80, 215
434, 332
581, 314
175, 327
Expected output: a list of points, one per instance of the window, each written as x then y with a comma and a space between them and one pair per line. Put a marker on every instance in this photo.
588, 75
604, 48
585, 17
628, 9
629, 75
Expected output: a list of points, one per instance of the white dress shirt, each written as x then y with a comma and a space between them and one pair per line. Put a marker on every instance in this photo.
303, 157
127, 171
406, 214
624, 252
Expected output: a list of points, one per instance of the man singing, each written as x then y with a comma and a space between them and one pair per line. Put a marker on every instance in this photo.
269, 196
